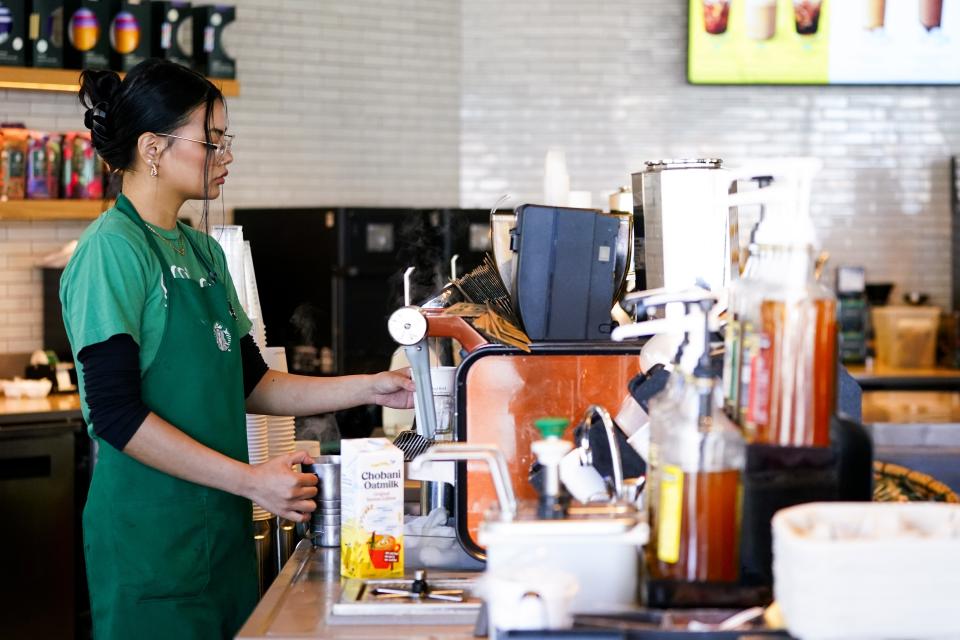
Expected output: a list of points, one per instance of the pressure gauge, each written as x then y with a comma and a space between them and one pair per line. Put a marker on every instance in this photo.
407, 326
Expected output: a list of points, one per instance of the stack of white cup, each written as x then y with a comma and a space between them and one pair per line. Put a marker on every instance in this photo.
282, 431
282, 435
258, 451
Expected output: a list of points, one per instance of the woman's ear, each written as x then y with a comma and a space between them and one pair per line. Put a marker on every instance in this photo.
149, 148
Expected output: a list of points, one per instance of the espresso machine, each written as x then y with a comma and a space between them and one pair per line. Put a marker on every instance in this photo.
569, 345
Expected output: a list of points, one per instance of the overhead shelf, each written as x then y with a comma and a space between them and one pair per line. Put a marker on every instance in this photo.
52, 209
68, 80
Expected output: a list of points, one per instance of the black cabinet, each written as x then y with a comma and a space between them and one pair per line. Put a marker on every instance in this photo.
44, 476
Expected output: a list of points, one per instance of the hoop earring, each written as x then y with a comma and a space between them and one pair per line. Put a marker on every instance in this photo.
153, 170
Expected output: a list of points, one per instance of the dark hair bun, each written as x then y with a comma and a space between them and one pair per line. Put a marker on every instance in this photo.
98, 86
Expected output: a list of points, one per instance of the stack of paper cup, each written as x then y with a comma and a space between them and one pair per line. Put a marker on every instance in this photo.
276, 358
257, 438
230, 238
281, 435
254, 312
281, 428
258, 450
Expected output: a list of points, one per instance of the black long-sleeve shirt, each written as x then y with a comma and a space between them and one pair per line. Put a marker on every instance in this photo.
111, 374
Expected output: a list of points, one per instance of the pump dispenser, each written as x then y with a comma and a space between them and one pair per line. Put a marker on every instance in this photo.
780, 361
549, 451
740, 315
695, 482
686, 349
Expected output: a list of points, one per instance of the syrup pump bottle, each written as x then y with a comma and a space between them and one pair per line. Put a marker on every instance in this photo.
789, 336
695, 485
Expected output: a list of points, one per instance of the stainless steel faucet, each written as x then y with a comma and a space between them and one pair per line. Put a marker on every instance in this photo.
615, 457
461, 451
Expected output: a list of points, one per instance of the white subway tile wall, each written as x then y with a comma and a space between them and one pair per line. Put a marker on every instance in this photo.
342, 102
606, 82
435, 102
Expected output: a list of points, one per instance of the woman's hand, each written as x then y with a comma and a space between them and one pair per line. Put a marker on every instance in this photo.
282, 491
393, 389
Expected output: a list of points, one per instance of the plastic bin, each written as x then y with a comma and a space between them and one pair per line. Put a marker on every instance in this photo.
906, 337
859, 571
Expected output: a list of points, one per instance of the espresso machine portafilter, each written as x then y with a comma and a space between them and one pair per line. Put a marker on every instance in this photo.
411, 327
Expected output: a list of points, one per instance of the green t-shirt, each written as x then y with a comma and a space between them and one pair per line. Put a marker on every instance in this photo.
114, 284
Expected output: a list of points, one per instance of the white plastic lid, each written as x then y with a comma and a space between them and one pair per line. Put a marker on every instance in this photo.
787, 218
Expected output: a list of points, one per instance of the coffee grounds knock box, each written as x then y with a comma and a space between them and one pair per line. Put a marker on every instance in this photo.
87, 45
13, 33
130, 34
209, 23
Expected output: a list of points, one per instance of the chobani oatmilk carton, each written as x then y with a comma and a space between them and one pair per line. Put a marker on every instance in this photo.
371, 530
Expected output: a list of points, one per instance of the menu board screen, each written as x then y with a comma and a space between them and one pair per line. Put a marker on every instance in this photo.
824, 42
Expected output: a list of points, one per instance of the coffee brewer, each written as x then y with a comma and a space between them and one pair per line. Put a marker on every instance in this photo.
688, 214
680, 207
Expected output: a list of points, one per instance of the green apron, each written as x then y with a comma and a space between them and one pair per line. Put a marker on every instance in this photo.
167, 558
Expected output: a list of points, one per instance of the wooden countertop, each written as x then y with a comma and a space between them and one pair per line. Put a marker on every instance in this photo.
911, 407
298, 605
878, 370
30, 410
878, 377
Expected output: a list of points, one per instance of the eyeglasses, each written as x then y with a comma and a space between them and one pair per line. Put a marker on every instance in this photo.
225, 144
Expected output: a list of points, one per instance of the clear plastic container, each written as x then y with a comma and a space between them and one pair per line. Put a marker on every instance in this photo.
852, 571
906, 336
792, 370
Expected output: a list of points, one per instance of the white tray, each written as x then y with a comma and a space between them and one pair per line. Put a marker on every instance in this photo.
865, 570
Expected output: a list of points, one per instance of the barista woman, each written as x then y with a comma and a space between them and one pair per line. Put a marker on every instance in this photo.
168, 370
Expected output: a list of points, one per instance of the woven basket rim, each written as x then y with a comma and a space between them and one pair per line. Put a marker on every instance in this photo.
923, 482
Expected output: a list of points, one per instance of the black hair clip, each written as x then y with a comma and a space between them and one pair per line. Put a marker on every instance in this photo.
95, 119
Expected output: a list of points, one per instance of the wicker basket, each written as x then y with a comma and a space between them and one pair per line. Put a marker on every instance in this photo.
893, 483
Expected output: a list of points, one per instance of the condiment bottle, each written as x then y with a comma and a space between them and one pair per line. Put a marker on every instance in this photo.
695, 486
549, 451
788, 332
795, 390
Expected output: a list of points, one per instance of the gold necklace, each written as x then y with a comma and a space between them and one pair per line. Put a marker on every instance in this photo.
179, 247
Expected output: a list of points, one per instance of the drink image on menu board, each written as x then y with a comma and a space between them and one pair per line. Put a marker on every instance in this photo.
930, 13
806, 13
761, 17
873, 13
715, 15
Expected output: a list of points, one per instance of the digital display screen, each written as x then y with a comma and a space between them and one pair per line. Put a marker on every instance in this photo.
822, 42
